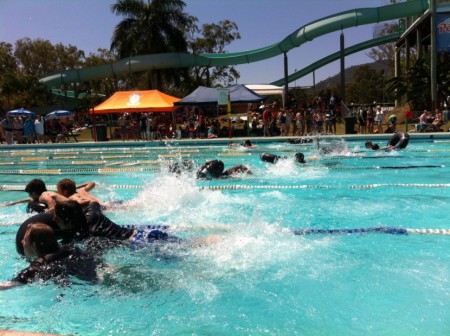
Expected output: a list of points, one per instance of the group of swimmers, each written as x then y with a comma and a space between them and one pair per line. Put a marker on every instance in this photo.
73, 214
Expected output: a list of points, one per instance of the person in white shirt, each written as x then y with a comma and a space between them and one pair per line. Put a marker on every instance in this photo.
39, 128
379, 119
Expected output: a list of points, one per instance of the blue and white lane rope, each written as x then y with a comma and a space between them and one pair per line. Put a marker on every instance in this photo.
14, 187
380, 229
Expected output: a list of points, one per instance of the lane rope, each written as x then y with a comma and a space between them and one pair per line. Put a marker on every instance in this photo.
13, 187
380, 229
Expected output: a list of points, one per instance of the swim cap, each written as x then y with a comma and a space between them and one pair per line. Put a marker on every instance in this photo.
299, 157
211, 169
215, 168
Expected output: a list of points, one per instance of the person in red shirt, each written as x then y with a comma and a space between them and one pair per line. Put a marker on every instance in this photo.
267, 118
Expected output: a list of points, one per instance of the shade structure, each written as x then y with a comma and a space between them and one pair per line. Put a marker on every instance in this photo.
137, 101
20, 112
58, 114
209, 96
267, 89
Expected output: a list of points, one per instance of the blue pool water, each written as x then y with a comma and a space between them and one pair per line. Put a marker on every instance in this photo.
259, 278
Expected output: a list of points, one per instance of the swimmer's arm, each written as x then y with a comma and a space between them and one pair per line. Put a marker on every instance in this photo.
47, 198
87, 186
51, 198
9, 284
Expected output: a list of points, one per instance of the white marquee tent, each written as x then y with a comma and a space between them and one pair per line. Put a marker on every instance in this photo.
267, 90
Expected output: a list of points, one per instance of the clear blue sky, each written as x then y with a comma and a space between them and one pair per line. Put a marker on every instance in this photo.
88, 25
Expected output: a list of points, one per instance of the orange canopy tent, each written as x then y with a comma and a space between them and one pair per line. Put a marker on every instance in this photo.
137, 101
129, 102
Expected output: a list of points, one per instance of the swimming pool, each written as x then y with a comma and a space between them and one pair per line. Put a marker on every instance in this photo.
260, 278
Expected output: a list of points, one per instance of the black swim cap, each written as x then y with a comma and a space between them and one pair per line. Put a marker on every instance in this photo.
215, 168
299, 157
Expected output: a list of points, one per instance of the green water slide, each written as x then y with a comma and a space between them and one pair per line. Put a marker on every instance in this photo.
308, 32
335, 56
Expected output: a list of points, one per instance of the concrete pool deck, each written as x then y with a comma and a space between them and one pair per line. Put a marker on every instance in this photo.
221, 141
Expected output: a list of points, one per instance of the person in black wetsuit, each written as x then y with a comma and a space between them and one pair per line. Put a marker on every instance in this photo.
398, 141
70, 222
49, 219
272, 158
216, 169
70, 217
52, 261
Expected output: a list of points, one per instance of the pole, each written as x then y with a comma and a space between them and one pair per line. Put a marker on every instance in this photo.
342, 55
314, 83
286, 84
229, 114
433, 56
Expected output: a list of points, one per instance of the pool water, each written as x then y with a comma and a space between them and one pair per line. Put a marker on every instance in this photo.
258, 278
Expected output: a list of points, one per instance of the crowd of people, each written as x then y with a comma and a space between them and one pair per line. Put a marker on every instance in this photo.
428, 121
29, 129
320, 117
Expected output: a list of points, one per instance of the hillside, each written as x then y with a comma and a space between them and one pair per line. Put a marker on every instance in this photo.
349, 74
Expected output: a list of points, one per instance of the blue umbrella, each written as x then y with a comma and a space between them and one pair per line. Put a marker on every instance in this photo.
20, 112
58, 114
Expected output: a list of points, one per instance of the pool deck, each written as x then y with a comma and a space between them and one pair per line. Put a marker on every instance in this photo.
221, 141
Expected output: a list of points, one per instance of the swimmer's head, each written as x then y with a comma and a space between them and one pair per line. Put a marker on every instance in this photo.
39, 240
371, 145
300, 158
70, 216
212, 169
35, 188
66, 187
247, 143
267, 157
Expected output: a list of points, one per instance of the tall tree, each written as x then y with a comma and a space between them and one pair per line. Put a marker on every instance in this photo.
213, 38
150, 27
385, 53
9, 83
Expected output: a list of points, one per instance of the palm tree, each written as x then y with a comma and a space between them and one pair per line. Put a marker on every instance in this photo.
150, 27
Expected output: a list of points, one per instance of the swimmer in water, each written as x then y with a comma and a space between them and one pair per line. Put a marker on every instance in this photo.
300, 158
42, 199
398, 141
71, 223
214, 169
247, 144
272, 158
52, 261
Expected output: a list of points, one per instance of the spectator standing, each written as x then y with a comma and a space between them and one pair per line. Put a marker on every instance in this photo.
18, 129
370, 119
8, 128
143, 122
122, 123
39, 127
282, 119
362, 120
135, 128
379, 119
29, 130
267, 119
